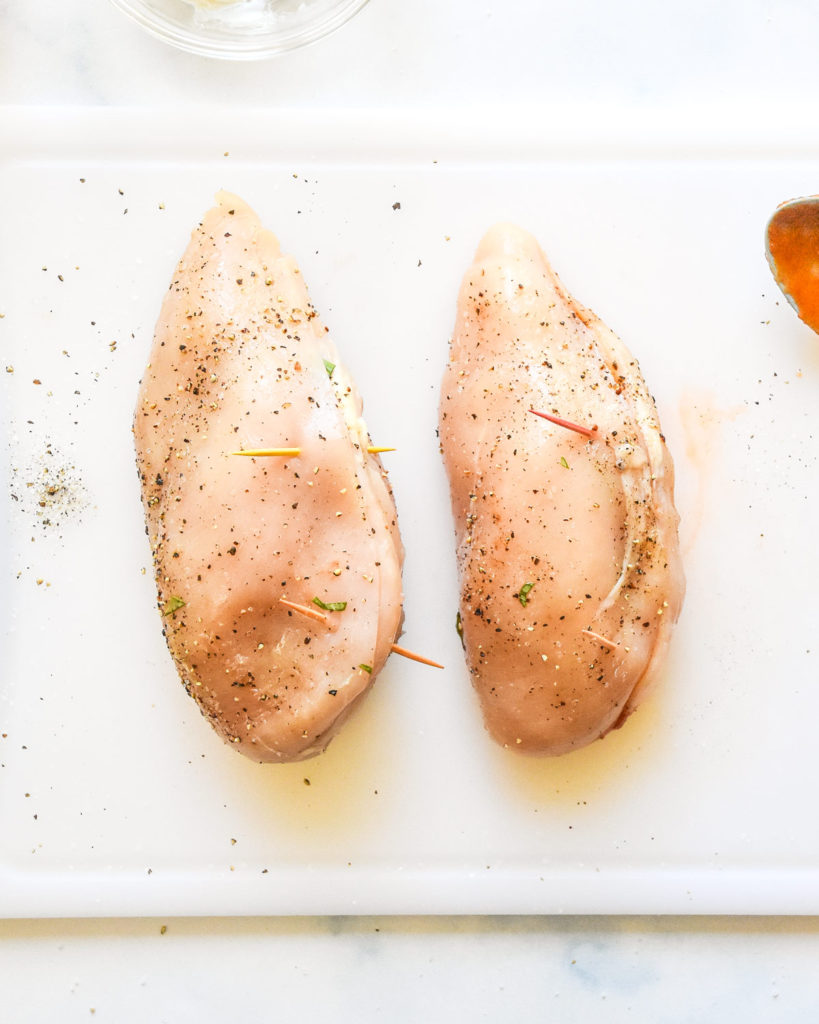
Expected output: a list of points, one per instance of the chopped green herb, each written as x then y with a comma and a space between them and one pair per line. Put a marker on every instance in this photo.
329, 367
459, 627
563, 462
367, 668
332, 606
523, 593
172, 605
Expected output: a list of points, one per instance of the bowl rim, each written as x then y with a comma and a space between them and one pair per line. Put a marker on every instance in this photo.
238, 45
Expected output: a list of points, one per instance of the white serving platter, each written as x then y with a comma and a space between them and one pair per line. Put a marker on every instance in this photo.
115, 796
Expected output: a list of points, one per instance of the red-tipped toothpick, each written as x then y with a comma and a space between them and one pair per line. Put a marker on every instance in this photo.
585, 431
600, 639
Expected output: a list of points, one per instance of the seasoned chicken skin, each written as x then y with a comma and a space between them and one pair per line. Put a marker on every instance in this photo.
567, 544
240, 360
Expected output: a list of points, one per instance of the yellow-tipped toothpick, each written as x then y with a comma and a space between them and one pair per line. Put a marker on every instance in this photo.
283, 452
293, 452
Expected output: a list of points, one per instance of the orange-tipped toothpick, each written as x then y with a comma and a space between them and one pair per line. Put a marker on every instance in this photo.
312, 613
283, 452
293, 452
303, 609
600, 639
585, 431
414, 657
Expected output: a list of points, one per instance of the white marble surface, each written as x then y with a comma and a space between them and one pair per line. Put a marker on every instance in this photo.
732, 56
405, 970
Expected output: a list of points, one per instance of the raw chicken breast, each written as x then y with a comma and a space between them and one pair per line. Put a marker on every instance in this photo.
568, 555
240, 360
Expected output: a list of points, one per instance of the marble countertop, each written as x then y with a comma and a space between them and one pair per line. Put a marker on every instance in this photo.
426, 53
187, 971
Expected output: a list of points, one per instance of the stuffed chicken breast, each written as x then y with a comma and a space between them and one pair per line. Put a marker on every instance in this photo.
567, 544
245, 547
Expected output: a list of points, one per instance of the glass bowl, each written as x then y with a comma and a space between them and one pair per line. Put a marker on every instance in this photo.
239, 29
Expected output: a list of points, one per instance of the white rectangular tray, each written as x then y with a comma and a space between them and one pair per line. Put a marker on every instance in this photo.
116, 797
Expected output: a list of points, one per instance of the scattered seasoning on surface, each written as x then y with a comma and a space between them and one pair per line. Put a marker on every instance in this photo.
563, 462
332, 606
329, 367
163, 929
48, 488
523, 594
